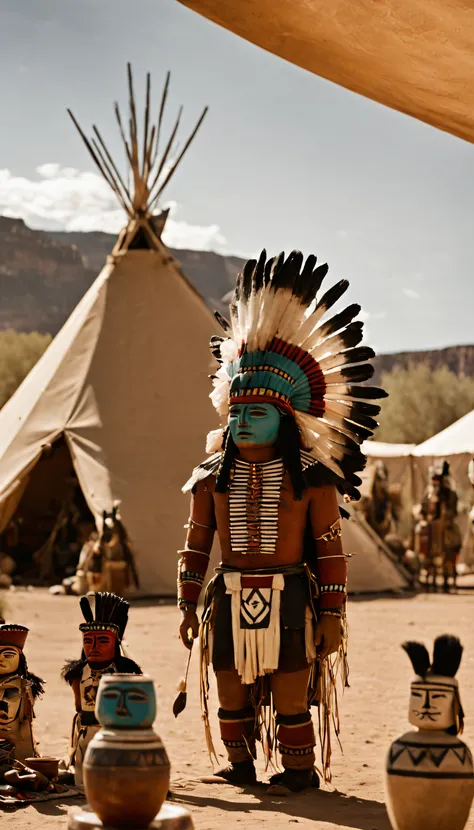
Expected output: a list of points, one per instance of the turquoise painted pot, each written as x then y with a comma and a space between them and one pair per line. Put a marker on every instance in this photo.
126, 701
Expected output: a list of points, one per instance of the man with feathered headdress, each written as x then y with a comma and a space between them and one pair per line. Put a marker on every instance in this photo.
294, 418
102, 634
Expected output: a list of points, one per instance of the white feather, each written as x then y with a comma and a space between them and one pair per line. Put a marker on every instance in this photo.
229, 351
220, 398
214, 440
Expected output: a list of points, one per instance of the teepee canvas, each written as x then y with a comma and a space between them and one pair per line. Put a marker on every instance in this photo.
107, 391
411, 55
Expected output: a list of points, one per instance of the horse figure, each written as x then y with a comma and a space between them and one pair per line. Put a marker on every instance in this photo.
110, 564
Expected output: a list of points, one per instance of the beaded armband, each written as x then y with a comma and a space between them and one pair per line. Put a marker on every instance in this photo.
192, 568
332, 572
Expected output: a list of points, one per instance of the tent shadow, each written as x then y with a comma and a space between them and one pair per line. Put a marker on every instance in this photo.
329, 807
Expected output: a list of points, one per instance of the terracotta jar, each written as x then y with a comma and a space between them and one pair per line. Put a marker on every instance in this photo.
126, 768
429, 773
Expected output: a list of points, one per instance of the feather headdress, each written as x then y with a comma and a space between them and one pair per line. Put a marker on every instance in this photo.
282, 348
110, 613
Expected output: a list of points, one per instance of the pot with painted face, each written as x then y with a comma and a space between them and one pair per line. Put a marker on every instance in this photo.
429, 773
126, 768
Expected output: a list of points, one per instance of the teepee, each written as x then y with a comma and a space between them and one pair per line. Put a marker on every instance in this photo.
121, 395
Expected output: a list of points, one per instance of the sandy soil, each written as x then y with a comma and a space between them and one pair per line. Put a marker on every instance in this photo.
374, 708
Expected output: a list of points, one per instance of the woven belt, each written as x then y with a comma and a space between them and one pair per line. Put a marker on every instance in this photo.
287, 570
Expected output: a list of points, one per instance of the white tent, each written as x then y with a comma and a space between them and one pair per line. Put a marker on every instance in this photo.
455, 444
122, 390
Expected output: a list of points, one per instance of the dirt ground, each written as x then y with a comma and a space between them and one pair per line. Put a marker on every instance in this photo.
373, 709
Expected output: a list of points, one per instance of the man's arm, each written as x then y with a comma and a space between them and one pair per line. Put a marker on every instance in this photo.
331, 568
194, 561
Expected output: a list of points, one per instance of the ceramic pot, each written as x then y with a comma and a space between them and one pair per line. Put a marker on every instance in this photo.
429, 782
126, 770
126, 776
47, 766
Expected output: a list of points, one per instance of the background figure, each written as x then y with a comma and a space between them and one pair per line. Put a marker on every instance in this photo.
437, 536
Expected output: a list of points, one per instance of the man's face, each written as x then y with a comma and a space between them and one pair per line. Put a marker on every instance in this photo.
9, 659
99, 646
254, 425
10, 702
432, 705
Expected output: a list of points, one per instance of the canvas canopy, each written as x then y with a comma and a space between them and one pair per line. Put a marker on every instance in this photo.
415, 56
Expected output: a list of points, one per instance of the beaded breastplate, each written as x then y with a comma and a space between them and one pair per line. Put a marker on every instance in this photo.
254, 498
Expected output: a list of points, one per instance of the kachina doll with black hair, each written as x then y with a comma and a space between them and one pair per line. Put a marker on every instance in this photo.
19, 690
429, 773
102, 634
294, 416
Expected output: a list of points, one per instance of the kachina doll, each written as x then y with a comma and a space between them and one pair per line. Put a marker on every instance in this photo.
19, 689
102, 634
293, 419
429, 773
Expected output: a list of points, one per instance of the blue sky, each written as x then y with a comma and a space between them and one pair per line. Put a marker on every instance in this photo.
284, 159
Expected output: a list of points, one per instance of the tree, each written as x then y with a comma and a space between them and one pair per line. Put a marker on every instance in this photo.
19, 352
422, 402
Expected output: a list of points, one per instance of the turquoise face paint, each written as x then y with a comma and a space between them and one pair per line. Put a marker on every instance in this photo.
126, 701
254, 425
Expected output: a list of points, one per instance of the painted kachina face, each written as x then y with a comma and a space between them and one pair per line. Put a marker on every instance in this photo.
126, 701
9, 659
256, 425
10, 702
99, 646
434, 704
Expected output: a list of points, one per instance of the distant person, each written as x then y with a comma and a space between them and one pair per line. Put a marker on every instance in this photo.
437, 535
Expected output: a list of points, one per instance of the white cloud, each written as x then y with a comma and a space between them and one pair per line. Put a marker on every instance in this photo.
63, 198
411, 294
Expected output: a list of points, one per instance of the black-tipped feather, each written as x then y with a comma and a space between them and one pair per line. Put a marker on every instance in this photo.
86, 609
259, 273
222, 321
306, 287
364, 392
447, 654
333, 294
339, 321
419, 657
354, 374
346, 339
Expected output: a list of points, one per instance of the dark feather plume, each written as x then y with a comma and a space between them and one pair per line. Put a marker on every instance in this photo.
222, 321
333, 294
447, 654
348, 338
339, 321
86, 609
419, 657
